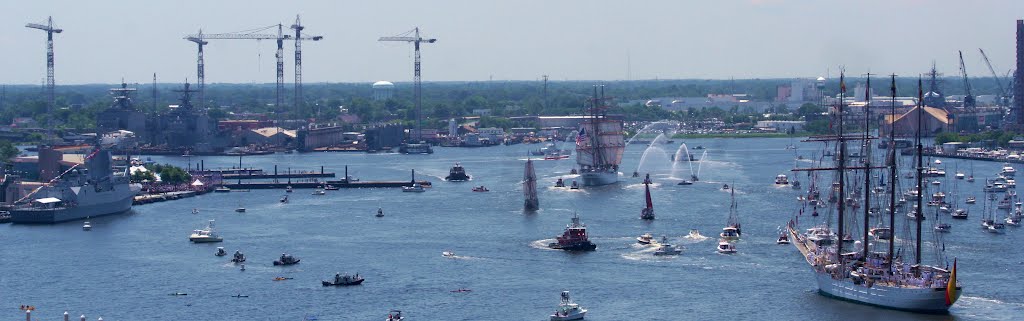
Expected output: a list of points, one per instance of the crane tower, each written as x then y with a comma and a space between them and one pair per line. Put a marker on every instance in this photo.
50, 30
414, 37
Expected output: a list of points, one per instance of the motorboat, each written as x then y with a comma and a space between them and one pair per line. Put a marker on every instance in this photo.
943, 227
568, 310
221, 189
960, 175
781, 179
783, 239
970, 200
725, 187
238, 257
1008, 170
344, 280
240, 209
461, 290
457, 174
960, 214
645, 239
574, 238
938, 162
575, 185
685, 182
220, 252
414, 188
283, 278
86, 226
666, 248
694, 234
288, 189
448, 254
559, 183
936, 182
319, 191
730, 233
726, 247
286, 259
881, 233
395, 315
331, 188
195, 211
205, 235
380, 212
284, 199
480, 188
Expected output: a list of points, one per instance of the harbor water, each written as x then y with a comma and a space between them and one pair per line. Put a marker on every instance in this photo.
127, 266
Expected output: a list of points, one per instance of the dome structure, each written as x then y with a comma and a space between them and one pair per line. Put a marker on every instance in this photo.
383, 90
383, 83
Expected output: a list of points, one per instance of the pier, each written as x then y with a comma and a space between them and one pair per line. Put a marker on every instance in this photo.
338, 184
977, 158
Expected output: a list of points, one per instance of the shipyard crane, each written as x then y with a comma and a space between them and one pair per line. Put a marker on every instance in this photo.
1003, 94
413, 36
201, 82
969, 102
252, 34
50, 30
298, 27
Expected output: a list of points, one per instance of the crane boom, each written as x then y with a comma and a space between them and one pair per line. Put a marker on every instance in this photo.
50, 82
969, 102
415, 39
999, 82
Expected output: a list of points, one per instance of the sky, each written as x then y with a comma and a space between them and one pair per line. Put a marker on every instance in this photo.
104, 40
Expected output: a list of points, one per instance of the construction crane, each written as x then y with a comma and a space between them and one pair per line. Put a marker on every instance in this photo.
252, 34
50, 30
969, 103
198, 39
1003, 94
413, 36
298, 27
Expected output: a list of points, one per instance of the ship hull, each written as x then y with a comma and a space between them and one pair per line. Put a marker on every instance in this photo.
599, 178
574, 247
50, 216
923, 300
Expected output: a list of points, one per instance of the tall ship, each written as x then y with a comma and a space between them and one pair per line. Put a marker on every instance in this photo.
875, 273
531, 202
599, 144
95, 190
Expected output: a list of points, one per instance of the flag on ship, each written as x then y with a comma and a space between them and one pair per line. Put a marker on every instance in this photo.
581, 137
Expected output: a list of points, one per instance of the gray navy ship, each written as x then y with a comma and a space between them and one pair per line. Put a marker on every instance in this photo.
78, 193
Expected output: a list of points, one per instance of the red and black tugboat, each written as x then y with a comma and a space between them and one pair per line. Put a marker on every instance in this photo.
574, 238
648, 212
457, 174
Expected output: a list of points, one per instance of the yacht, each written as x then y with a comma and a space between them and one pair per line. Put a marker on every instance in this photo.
645, 239
665, 248
781, 179
86, 226
1008, 170
568, 310
960, 175
726, 247
960, 214
205, 235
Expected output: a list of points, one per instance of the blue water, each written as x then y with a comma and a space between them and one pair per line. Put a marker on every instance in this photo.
127, 265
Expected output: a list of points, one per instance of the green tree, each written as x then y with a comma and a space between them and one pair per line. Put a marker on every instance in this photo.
7, 150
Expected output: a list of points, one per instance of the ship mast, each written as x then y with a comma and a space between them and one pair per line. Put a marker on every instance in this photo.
841, 159
594, 139
920, 167
867, 165
893, 176
530, 187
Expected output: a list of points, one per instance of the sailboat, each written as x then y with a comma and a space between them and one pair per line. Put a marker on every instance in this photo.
732, 231
531, 203
648, 212
970, 178
872, 278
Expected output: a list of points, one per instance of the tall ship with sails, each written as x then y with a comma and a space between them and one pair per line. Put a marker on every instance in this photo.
872, 274
531, 202
78, 193
599, 144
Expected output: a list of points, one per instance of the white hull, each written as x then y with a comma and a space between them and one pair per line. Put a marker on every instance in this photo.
931, 300
599, 178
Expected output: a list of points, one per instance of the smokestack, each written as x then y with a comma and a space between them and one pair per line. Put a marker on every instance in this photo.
1018, 77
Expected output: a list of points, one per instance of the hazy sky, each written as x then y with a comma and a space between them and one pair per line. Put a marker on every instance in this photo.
104, 41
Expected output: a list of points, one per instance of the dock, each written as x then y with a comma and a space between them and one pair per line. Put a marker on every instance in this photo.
338, 184
162, 197
977, 158
276, 176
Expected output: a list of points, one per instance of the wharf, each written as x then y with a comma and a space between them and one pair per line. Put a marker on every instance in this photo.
977, 158
161, 197
338, 184
253, 175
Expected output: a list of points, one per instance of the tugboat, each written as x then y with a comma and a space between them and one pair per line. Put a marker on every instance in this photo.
568, 310
457, 174
238, 257
344, 280
286, 260
648, 212
220, 252
665, 248
574, 238
559, 183
645, 239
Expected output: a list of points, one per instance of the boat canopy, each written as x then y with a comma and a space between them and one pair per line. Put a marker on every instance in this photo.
47, 200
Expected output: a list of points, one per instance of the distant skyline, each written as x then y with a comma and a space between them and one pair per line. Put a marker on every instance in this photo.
105, 41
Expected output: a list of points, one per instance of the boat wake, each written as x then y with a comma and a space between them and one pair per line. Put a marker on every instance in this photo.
695, 238
543, 244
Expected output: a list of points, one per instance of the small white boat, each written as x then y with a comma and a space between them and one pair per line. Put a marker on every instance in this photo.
726, 247
284, 199
944, 228
195, 211
415, 188
86, 226
646, 239
205, 235
783, 239
395, 315
730, 233
568, 310
936, 182
240, 209
970, 200
781, 179
1008, 170
288, 189
960, 214
881, 233
960, 175
938, 162
319, 192
666, 248
448, 254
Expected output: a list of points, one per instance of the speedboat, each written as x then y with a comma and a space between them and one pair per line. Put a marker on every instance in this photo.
395, 315
240, 209
86, 226
666, 248
781, 179
448, 254
205, 235
783, 239
568, 310
414, 188
319, 192
220, 252
344, 280
646, 239
970, 200
238, 257
286, 260
685, 182
726, 247
284, 199
695, 234
960, 214
480, 188
331, 188
943, 227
